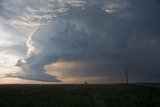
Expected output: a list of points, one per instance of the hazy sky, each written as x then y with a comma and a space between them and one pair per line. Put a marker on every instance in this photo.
72, 41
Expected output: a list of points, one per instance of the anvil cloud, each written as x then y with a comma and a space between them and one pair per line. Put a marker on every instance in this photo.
99, 37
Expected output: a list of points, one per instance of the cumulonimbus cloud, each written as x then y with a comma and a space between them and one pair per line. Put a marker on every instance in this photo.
94, 35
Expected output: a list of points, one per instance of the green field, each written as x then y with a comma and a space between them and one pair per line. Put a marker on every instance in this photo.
118, 95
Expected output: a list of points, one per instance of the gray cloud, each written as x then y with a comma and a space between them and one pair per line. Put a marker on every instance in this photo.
129, 35
33, 14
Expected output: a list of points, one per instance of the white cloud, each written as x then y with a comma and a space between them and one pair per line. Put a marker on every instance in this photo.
112, 6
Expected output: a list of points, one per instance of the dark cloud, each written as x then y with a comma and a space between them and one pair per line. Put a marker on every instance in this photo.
128, 36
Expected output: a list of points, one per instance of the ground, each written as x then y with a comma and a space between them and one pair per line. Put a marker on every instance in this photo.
113, 95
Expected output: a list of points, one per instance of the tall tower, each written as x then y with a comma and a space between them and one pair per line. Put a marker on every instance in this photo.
126, 71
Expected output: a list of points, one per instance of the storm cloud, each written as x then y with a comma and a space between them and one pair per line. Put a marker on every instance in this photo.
103, 36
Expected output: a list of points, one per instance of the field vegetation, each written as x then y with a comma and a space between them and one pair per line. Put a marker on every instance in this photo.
117, 95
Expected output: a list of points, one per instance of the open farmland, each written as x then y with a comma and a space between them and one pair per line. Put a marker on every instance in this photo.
118, 95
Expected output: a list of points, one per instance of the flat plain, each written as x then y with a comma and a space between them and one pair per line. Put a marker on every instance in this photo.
91, 95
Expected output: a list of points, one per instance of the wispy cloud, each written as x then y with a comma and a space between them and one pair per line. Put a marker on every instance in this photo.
112, 6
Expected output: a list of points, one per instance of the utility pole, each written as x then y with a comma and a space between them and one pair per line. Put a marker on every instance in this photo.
126, 75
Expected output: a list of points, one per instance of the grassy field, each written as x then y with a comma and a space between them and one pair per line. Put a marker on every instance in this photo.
118, 95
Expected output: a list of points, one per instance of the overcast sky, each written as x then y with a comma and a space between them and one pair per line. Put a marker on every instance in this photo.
72, 41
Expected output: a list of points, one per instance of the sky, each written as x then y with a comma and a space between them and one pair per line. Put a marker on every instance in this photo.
73, 41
